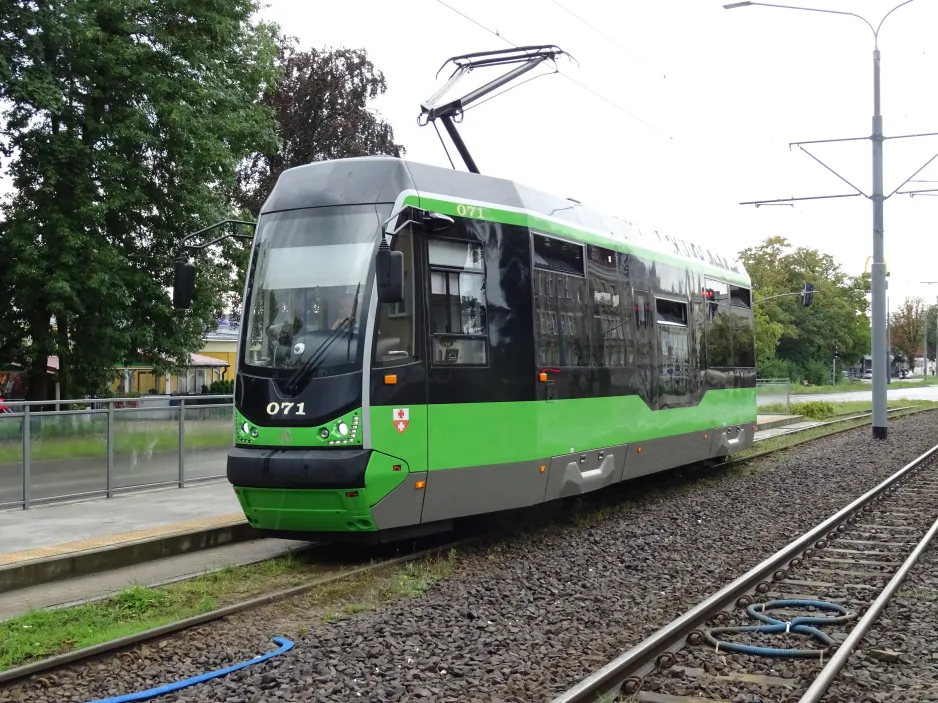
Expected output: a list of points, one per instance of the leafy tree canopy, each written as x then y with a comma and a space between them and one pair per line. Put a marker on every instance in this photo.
798, 337
321, 105
124, 122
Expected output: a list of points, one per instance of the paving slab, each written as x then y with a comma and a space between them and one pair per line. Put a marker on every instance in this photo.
64, 528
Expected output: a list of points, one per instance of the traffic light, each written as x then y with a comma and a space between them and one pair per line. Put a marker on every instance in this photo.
807, 294
834, 353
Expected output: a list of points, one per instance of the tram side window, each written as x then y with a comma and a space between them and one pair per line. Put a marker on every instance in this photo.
608, 338
674, 349
744, 352
394, 333
561, 325
458, 329
719, 323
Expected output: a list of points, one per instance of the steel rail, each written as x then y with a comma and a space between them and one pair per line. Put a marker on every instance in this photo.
833, 667
78, 655
610, 678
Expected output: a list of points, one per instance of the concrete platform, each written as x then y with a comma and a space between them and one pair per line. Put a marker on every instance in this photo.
35, 547
768, 422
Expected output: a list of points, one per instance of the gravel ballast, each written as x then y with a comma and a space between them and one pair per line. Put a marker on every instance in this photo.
897, 660
525, 617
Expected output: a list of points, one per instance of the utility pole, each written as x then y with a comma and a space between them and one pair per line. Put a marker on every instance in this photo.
879, 347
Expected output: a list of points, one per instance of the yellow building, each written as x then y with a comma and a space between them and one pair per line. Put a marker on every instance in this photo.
139, 376
222, 344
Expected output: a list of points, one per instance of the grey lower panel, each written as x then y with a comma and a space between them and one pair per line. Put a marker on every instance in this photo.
582, 472
665, 453
729, 440
401, 506
473, 490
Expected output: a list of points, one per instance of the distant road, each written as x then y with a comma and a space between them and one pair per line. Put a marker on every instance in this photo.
921, 393
62, 477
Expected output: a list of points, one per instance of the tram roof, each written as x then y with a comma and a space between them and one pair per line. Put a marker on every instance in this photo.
386, 179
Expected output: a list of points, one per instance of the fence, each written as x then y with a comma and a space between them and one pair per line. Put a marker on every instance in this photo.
111, 446
773, 391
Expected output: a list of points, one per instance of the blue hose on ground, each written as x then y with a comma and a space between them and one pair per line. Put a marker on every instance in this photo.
799, 626
285, 646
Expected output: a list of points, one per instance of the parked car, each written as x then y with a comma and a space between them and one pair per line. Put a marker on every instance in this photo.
867, 375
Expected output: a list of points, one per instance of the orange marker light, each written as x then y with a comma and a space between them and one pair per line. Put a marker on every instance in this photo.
639, 450
705, 436
543, 469
420, 484
390, 379
543, 377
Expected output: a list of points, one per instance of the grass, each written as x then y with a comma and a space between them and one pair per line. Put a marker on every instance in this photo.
861, 386
152, 436
847, 408
44, 633
783, 441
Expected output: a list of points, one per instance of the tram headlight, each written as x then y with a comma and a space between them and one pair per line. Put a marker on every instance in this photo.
245, 428
324, 433
342, 428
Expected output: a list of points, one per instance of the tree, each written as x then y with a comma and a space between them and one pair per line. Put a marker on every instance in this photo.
798, 337
320, 103
125, 121
321, 106
907, 328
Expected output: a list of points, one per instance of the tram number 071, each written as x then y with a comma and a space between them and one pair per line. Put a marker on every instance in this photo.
275, 408
470, 211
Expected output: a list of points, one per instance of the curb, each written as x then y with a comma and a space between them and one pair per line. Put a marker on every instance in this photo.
93, 561
789, 420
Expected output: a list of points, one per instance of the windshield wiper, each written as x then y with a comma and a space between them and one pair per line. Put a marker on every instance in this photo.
348, 347
315, 358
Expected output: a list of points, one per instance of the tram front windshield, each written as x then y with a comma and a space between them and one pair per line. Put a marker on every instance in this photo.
309, 289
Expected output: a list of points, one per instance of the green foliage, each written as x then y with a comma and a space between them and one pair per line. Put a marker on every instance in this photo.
815, 409
221, 387
780, 368
907, 329
802, 337
125, 121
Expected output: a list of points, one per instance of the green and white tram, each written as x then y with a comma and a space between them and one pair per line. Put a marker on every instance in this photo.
422, 344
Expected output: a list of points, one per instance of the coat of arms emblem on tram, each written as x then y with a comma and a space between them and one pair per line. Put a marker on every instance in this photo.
401, 419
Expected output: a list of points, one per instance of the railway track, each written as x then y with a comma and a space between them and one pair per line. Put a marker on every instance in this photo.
79, 656
850, 565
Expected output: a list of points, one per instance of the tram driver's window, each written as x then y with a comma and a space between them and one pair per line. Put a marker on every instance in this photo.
394, 333
458, 329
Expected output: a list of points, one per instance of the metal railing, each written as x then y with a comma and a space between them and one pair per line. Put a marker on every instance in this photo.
773, 391
108, 446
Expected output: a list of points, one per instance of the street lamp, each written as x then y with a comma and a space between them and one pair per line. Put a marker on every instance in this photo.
880, 370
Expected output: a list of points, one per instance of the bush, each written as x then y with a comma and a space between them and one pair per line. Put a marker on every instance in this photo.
816, 409
817, 373
221, 388
780, 368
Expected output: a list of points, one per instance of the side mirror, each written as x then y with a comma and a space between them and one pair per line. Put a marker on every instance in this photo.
389, 272
183, 283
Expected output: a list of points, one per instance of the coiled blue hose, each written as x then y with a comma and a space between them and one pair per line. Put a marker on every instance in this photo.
285, 646
800, 626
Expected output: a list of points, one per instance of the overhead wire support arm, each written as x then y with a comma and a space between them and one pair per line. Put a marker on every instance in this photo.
860, 192
451, 112
759, 203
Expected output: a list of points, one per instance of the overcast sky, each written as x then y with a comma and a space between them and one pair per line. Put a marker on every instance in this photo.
741, 84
